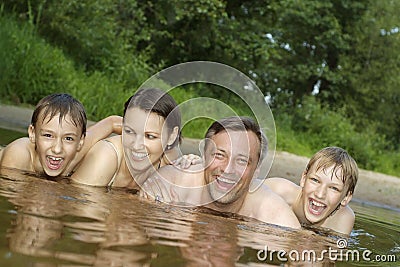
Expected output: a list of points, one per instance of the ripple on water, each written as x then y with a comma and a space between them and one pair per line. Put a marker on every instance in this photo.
61, 223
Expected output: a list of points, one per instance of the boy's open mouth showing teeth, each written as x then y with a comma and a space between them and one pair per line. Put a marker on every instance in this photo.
54, 163
316, 207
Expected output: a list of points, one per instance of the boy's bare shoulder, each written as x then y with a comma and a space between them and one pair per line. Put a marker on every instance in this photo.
18, 154
341, 221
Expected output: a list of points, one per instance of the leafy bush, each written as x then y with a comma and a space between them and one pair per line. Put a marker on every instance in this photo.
31, 69
327, 127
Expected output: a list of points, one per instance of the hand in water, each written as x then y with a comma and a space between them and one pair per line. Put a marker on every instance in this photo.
158, 189
186, 161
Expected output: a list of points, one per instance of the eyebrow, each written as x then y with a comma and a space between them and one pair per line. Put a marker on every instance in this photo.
331, 179
152, 132
221, 150
240, 154
42, 130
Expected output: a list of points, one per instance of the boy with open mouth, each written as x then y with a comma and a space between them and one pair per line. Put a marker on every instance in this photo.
326, 187
58, 139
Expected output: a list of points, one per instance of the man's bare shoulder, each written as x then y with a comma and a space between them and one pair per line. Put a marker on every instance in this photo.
284, 188
189, 177
18, 154
267, 206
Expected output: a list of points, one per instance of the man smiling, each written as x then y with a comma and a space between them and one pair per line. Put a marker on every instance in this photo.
233, 152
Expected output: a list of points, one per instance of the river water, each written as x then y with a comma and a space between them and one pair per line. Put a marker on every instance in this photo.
55, 223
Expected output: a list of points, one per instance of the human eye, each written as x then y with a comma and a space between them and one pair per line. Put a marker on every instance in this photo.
313, 179
151, 136
128, 130
218, 155
47, 135
69, 138
335, 188
243, 161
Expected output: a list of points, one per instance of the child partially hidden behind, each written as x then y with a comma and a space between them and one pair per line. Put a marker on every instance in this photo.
58, 139
326, 187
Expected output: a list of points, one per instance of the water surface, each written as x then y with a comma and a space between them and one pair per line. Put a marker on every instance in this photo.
48, 223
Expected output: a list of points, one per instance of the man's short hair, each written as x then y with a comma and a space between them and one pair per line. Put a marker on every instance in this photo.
239, 123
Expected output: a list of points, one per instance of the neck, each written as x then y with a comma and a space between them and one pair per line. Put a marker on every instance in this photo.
140, 176
298, 209
233, 207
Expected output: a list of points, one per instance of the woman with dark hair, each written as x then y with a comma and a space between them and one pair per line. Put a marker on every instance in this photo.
151, 132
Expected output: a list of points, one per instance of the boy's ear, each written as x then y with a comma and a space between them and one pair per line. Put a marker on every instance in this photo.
31, 133
81, 143
303, 179
346, 199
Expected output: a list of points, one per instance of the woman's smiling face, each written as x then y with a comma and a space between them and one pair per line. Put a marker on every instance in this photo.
145, 138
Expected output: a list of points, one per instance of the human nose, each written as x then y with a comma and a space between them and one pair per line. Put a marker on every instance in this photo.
229, 166
320, 192
57, 146
138, 143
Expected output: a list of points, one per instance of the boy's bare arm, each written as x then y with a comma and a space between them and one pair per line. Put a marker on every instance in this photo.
103, 129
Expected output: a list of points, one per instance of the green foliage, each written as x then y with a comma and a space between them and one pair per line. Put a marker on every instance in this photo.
372, 70
290, 140
31, 69
324, 126
329, 67
7, 136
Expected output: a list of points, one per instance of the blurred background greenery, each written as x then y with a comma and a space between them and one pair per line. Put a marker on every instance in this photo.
328, 68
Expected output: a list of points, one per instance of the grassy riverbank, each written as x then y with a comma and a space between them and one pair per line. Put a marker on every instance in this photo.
31, 67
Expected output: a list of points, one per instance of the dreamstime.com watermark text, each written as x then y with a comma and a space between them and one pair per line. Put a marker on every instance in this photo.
332, 254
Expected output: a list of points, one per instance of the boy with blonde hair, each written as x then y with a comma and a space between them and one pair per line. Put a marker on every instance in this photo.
326, 187
58, 139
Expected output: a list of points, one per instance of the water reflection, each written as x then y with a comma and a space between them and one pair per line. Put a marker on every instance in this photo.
61, 223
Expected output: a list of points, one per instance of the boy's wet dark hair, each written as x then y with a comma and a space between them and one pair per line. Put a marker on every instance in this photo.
157, 101
62, 105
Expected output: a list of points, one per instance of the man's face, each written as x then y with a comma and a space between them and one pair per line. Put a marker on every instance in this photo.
231, 160
323, 191
56, 144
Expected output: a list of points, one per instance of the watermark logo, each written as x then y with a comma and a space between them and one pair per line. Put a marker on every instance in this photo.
221, 80
341, 243
340, 253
